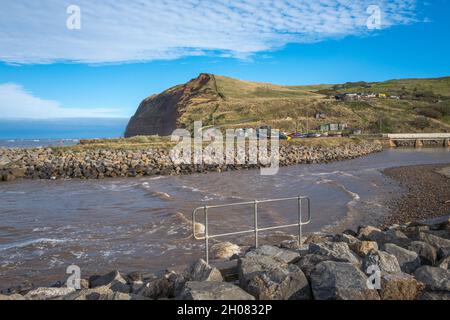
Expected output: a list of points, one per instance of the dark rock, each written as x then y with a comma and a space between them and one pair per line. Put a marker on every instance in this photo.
308, 262
268, 279
201, 271
426, 252
433, 240
209, 290
332, 280
434, 295
337, 250
282, 255
436, 279
409, 261
112, 280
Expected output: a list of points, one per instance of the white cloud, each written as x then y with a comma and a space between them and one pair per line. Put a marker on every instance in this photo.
140, 30
15, 102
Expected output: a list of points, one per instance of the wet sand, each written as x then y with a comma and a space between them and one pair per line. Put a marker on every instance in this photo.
427, 193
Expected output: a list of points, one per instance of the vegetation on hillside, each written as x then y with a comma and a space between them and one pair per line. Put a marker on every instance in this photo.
424, 106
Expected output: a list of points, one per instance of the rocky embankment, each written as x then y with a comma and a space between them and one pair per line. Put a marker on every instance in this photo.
98, 164
413, 260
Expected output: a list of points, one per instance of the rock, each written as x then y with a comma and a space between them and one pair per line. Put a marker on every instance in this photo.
339, 251
444, 263
365, 232
409, 261
195, 290
156, 289
332, 280
15, 296
443, 252
434, 295
228, 269
433, 240
385, 261
267, 279
21, 289
308, 262
225, 250
317, 238
48, 293
98, 293
201, 271
113, 280
426, 252
436, 279
282, 255
391, 236
362, 248
399, 286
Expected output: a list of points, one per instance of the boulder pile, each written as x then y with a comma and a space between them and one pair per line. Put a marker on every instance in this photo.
403, 262
98, 164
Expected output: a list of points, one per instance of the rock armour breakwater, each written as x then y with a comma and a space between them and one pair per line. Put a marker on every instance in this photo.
413, 261
104, 163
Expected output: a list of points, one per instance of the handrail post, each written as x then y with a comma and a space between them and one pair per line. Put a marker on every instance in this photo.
206, 235
300, 233
256, 222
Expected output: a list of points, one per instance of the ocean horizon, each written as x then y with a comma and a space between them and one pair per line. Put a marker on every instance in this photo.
65, 128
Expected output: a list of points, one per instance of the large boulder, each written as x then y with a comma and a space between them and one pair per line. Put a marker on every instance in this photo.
444, 263
427, 253
201, 271
209, 290
339, 251
156, 289
332, 280
282, 255
225, 250
437, 279
268, 279
399, 286
385, 261
443, 252
48, 293
98, 293
433, 240
409, 260
228, 269
113, 280
390, 236
308, 262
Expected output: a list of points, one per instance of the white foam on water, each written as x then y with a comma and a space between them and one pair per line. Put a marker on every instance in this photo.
29, 243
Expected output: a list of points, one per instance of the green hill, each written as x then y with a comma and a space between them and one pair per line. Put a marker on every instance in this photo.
424, 106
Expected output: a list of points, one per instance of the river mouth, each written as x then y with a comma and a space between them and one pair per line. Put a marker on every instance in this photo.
143, 223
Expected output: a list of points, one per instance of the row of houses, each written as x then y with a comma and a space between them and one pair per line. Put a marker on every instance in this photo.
361, 96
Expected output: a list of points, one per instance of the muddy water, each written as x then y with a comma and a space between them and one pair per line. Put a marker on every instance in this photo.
142, 224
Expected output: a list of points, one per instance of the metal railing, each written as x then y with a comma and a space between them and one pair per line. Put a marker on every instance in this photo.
206, 236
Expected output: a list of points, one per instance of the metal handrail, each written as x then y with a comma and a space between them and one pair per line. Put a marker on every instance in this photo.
256, 229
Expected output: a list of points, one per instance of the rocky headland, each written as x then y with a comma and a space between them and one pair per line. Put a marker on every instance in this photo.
412, 260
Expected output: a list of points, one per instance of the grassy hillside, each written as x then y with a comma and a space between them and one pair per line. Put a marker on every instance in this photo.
424, 105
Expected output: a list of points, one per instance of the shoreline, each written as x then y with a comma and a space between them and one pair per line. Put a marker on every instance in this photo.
413, 260
426, 193
53, 164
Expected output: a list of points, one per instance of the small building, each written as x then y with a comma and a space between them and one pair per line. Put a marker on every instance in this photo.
382, 95
333, 127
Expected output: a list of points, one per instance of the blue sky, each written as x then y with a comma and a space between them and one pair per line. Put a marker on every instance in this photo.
127, 50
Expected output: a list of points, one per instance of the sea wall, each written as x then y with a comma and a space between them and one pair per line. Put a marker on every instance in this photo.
104, 163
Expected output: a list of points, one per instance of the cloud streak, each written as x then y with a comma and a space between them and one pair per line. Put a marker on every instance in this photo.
16, 102
116, 31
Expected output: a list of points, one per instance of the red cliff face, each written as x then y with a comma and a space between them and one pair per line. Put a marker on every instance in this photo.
158, 114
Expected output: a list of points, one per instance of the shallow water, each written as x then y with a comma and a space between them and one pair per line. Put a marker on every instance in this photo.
142, 223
